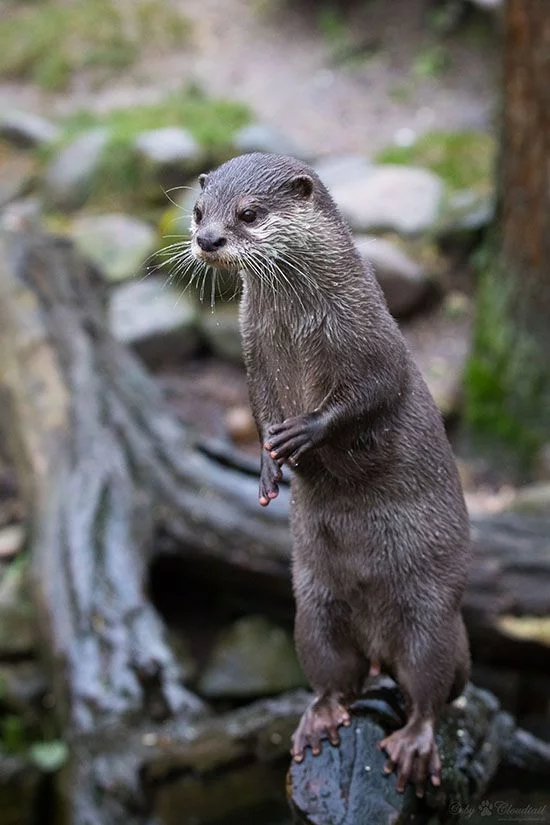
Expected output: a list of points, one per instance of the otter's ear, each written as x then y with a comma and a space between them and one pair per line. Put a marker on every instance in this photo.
202, 179
302, 185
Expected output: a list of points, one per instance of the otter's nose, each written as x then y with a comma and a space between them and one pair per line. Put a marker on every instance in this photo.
210, 241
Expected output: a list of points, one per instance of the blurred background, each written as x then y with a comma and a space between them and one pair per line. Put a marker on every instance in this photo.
428, 121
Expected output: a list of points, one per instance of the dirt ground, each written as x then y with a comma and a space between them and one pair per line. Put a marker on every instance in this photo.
343, 82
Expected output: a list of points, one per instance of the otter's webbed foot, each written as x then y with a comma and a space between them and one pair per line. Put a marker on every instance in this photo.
291, 439
320, 720
413, 752
270, 475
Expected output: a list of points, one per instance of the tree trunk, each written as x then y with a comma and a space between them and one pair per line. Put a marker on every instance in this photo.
525, 156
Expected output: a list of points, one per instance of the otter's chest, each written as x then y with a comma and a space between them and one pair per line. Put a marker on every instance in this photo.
296, 367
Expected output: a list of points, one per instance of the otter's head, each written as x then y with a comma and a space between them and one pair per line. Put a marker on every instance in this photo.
254, 209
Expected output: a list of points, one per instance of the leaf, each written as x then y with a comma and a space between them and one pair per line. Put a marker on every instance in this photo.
49, 756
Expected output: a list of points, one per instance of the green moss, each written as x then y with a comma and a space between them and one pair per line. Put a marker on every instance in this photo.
505, 383
465, 160
431, 61
49, 42
120, 182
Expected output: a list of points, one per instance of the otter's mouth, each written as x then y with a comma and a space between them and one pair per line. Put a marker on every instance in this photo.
212, 258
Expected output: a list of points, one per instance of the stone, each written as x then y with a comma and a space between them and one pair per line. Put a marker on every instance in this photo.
168, 157
18, 171
542, 464
391, 198
118, 244
403, 282
21, 215
70, 176
252, 658
240, 425
339, 169
221, 331
17, 620
153, 318
27, 130
259, 137
11, 540
21, 790
440, 343
465, 214
22, 685
533, 499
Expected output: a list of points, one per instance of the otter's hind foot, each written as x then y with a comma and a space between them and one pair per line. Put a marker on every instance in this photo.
320, 721
413, 752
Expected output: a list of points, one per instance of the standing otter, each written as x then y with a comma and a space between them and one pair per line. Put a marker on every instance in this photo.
380, 530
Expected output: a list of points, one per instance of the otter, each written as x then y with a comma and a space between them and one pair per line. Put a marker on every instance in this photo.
379, 525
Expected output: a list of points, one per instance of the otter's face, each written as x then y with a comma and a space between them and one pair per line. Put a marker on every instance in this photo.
245, 213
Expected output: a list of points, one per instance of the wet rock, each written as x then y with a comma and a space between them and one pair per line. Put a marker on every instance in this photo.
26, 130
440, 343
220, 329
17, 620
259, 137
390, 197
252, 658
118, 244
71, 174
156, 320
404, 284
17, 173
168, 157
340, 169
533, 500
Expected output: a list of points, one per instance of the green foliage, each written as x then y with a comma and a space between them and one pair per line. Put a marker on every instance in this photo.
465, 160
49, 42
12, 734
505, 381
431, 61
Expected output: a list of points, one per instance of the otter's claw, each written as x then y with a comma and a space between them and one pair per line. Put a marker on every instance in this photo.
291, 439
270, 475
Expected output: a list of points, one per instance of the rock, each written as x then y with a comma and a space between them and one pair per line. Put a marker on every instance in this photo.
221, 331
21, 215
259, 137
156, 320
17, 620
440, 344
26, 130
403, 282
71, 174
533, 500
17, 173
11, 540
465, 214
340, 169
488, 5
253, 658
390, 197
168, 157
118, 244
240, 424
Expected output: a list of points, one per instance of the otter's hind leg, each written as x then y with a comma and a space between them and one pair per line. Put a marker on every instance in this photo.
428, 670
333, 666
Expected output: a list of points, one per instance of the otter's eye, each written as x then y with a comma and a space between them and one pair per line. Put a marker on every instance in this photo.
248, 215
197, 214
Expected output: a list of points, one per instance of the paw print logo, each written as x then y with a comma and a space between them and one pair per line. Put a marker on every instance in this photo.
486, 808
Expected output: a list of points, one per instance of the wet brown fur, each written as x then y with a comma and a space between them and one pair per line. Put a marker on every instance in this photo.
380, 530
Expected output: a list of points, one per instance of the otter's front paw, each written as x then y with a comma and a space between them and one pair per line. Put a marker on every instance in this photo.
291, 439
270, 475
